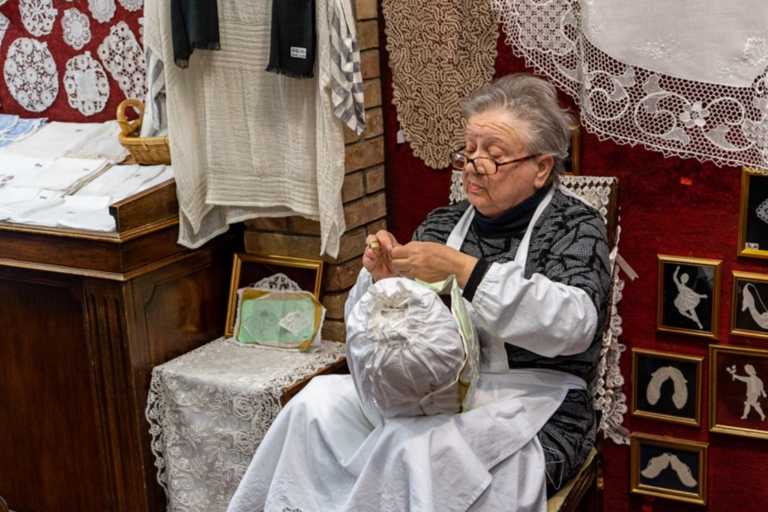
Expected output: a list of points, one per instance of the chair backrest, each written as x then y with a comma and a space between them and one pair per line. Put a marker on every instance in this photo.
602, 192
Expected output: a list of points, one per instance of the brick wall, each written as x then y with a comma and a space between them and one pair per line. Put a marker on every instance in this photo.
363, 192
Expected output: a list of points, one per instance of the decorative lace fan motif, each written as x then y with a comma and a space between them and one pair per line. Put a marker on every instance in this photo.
86, 84
31, 75
38, 16
132, 5
124, 59
439, 52
76, 28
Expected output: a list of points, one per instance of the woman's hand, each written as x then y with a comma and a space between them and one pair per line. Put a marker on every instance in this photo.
377, 257
432, 262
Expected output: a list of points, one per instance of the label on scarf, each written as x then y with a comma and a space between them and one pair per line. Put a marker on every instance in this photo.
298, 53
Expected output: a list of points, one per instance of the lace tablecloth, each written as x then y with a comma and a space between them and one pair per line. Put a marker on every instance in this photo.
209, 409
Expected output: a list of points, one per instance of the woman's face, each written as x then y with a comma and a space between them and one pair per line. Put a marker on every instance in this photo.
494, 134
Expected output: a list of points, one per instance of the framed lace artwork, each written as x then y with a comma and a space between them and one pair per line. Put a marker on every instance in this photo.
738, 400
666, 386
688, 298
277, 273
753, 213
668, 468
749, 314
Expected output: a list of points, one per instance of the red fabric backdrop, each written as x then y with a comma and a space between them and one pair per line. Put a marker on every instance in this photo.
62, 52
668, 206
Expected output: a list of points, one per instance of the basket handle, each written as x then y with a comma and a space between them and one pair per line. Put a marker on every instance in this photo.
129, 127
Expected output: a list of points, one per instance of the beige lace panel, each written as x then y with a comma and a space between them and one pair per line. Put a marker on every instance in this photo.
439, 52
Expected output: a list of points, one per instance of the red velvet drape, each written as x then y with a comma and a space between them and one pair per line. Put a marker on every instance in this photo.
668, 206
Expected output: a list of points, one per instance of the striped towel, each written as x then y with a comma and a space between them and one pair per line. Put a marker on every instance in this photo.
154, 120
346, 77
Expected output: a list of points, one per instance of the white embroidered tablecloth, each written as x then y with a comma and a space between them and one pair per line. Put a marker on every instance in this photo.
210, 408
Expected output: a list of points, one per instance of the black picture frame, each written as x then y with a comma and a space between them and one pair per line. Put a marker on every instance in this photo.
749, 315
667, 386
688, 298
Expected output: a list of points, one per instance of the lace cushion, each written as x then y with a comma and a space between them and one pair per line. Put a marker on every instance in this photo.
283, 319
406, 352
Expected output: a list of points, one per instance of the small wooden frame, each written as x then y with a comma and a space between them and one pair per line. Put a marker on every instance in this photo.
668, 468
666, 387
572, 160
737, 391
248, 269
749, 315
688, 298
753, 213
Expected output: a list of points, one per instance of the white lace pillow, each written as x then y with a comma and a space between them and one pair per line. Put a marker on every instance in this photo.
406, 351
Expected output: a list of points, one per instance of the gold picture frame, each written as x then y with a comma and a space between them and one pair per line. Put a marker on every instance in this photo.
753, 213
670, 468
249, 269
737, 390
667, 386
572, 160
688, 296
749, 315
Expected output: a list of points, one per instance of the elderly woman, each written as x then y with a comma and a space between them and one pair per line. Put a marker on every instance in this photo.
532, 260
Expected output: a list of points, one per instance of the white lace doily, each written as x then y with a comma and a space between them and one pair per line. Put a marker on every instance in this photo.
76, 27
124, 59
102, 10
209, 409
86, 84
652, 79
38, 16
30, 74
132, 5
4, 24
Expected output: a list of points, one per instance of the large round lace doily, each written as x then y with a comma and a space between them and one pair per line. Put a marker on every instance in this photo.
438, 53
653, 79
30, 74
76, 27
124, 59
132, 5
38, 16
102, 10
86, 84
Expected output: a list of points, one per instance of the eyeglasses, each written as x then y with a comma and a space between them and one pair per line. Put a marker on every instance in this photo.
483, 164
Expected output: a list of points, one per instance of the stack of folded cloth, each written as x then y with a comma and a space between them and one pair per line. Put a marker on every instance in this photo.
13, 128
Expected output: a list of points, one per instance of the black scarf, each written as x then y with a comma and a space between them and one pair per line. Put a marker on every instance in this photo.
510, 221
194, 24
292, 41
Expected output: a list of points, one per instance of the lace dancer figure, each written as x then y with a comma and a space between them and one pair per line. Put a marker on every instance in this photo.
755, 389
748, 302
687, 300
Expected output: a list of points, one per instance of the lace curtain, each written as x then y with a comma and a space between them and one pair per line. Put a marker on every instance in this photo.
686, 78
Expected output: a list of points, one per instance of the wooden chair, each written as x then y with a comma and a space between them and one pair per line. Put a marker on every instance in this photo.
583, 492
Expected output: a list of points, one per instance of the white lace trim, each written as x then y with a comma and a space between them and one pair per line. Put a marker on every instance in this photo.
86, 84
30, 74
38, 16
124, 59
631, 104
76, 27
208, 411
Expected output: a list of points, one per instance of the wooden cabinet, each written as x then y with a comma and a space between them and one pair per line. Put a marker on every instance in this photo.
84, 317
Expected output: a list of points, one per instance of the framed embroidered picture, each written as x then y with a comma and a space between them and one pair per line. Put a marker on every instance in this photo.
250, 269
668, 468
749, 315
738, 400
573, 158
688, 298
753, 213
666, 386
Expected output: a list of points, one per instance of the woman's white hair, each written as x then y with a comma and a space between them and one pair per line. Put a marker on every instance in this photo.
544, 126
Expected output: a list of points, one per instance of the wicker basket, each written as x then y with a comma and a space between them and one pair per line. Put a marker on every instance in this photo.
145, 150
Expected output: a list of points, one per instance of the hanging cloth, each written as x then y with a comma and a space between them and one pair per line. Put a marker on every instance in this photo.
439, 52
194, 24
292, 40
